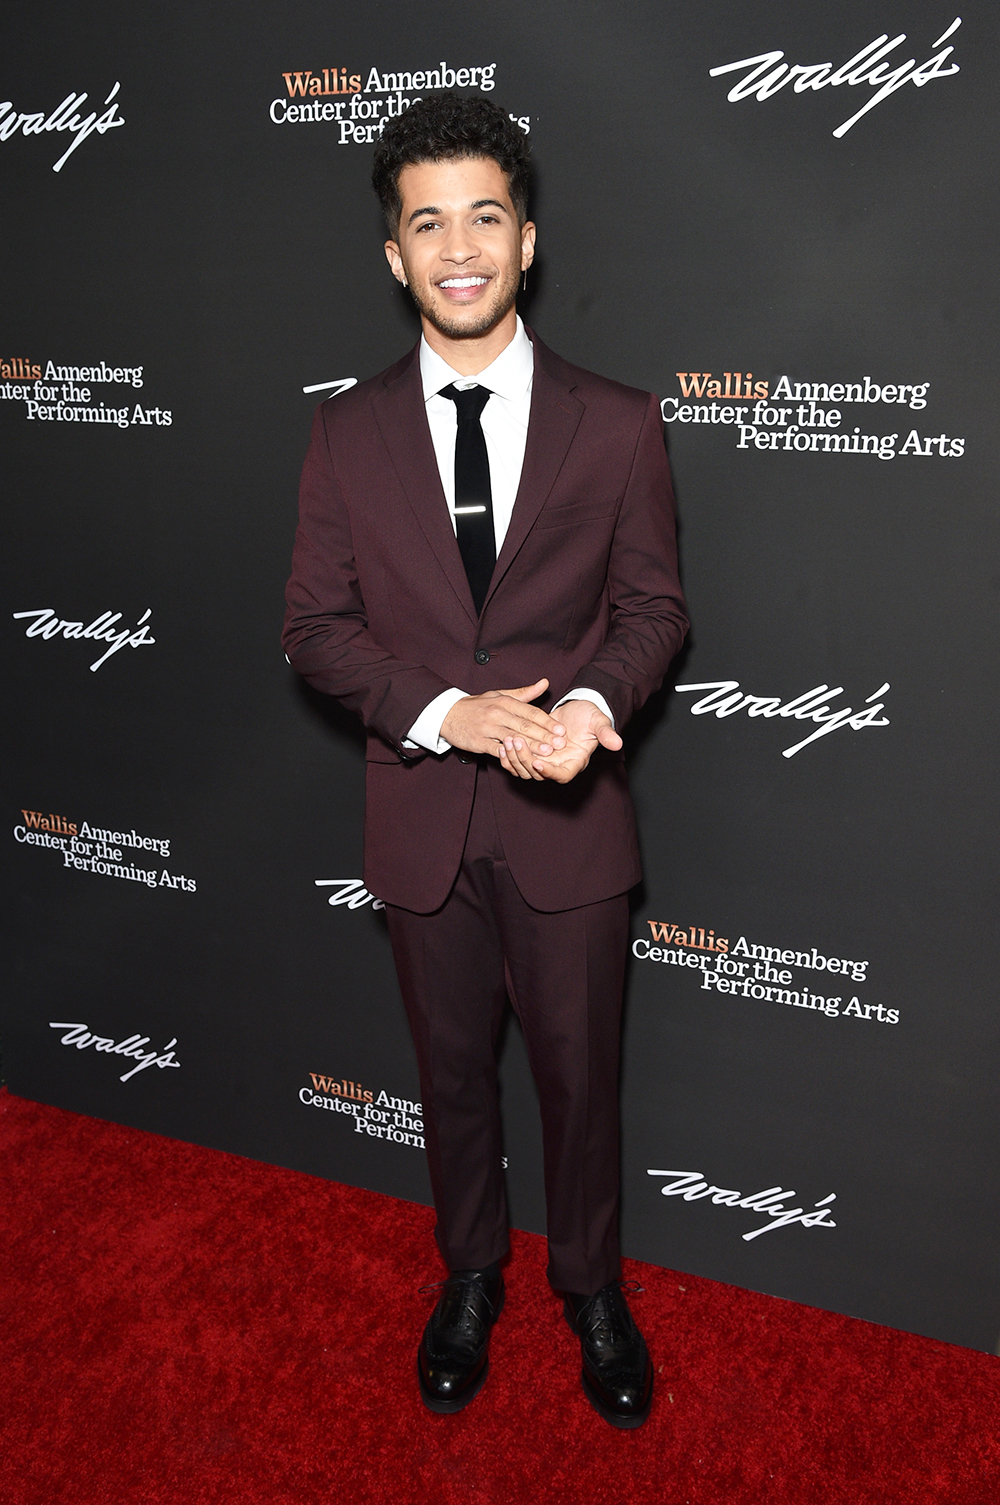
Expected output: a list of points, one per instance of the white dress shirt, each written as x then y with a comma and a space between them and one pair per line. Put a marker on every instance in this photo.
504, 423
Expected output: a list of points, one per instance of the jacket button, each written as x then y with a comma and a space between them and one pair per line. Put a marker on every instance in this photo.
482, 657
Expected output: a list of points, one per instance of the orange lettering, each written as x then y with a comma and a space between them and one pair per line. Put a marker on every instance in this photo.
692, 384
296, 82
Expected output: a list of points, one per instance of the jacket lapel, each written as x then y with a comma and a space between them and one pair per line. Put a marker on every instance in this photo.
402, 421
553, 420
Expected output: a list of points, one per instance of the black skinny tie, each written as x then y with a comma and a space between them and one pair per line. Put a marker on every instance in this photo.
473, 494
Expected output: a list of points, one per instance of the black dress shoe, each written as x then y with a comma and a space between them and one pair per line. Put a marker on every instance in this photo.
617, 1374
452, 1361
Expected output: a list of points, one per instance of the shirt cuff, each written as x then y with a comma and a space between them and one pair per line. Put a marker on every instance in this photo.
426, 730
583, 694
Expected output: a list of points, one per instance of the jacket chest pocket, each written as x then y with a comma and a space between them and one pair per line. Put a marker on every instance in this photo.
576, 512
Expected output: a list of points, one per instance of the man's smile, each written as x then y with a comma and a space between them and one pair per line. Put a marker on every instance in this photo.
463, 289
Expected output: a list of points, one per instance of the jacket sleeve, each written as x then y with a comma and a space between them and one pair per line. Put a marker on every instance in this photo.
648, 616
326, 634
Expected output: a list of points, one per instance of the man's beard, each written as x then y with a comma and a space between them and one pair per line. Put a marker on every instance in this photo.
504, 297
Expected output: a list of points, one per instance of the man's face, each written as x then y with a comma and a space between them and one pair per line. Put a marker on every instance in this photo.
459, 244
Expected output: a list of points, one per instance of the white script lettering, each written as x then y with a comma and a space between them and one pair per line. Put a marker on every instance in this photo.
692, 1186
342, 384
725, 698
80, 1036
349, 891
65, 117
767, 73
48, 625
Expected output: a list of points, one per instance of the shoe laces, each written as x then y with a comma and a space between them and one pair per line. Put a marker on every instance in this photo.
606, 1321
457, 1283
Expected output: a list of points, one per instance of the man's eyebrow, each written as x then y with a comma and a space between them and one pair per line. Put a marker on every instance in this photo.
478, 204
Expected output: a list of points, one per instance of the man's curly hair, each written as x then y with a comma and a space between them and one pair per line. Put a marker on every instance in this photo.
447, 127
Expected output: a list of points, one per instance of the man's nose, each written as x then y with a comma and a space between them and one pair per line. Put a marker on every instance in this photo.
459, 247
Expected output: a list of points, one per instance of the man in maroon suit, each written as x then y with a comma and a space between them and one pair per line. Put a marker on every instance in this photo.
485, 571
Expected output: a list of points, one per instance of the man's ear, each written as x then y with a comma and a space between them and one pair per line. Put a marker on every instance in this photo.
527, 245
395, 261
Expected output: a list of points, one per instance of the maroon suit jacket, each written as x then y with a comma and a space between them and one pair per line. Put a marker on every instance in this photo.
585, 592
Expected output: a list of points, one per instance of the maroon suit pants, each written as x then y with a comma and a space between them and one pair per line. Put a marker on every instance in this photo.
564, 974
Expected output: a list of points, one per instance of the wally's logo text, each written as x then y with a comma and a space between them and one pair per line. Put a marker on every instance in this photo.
692, 1186
80, 1036
725, 698
47, 624
767, 73
65, 117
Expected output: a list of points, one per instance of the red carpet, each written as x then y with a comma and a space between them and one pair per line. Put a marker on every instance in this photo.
188, 1327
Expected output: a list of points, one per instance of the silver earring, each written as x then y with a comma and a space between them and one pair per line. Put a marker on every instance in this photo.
524, 282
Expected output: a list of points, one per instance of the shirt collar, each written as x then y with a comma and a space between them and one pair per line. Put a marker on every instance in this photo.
509, 375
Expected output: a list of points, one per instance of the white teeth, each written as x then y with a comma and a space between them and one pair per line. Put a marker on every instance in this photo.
464, 282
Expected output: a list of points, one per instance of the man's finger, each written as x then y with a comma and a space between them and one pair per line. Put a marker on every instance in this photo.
528, 692
520, 714
548, 730
505, 762
514, 770
516, 720
535, 746
561, 768
520, 754
559, 773
512, 758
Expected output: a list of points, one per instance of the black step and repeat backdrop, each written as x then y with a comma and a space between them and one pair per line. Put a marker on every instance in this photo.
779, 218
